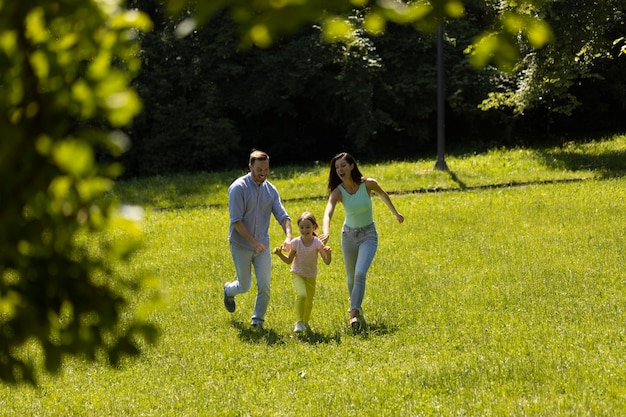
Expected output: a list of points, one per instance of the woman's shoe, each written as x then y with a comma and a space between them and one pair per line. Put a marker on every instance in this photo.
355, 324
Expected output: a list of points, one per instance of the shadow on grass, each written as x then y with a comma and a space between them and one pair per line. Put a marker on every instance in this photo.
373, 329
609, 164
250, 335
377, 328
315, 338
457, 180
272, 338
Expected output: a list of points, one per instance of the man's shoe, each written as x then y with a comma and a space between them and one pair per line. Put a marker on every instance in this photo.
257, 326
229, 301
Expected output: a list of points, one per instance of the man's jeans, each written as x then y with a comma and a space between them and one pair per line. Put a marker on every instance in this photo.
244, 259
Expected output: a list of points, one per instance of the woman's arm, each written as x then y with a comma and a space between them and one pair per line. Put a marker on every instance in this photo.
372, 185
333, 198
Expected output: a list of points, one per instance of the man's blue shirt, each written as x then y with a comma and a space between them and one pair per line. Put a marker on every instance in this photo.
252, 204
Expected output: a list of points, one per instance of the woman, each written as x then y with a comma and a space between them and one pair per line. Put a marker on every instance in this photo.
359, 238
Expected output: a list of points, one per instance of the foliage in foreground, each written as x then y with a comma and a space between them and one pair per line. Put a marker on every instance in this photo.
65, 71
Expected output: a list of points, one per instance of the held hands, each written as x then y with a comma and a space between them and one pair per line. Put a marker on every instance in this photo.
324, 237
285, 247
281, 250
278, 251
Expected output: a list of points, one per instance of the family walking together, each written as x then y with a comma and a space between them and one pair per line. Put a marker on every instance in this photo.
252, 200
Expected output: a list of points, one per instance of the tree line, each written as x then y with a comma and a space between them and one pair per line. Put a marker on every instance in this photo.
208, 99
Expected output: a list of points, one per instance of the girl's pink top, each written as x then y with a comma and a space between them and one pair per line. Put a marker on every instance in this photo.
305, 262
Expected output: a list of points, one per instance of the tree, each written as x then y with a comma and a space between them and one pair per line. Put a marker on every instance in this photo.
546, 79
65, 69
183, 125
312, 93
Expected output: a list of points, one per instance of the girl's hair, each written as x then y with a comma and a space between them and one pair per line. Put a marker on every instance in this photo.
307, 215
333, 178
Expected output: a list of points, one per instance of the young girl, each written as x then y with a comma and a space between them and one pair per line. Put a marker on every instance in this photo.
303, 254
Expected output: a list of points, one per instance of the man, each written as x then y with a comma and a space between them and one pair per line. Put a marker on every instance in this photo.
251, 200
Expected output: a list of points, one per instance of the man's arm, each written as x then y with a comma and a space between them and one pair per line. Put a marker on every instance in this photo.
286, 224
243, 231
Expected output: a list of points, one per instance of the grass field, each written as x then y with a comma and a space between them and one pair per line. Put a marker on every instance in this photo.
503, 294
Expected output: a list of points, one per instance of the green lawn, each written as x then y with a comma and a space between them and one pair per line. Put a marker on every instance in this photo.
489, 300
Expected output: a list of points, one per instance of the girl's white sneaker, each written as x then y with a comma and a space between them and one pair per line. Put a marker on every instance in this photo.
299, 327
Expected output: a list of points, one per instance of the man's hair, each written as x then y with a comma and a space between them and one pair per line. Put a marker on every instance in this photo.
257, 155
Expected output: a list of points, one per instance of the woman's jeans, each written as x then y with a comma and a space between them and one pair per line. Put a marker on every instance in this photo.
244, 259
359, 247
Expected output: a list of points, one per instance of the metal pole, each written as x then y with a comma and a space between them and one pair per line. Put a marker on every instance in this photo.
441, 137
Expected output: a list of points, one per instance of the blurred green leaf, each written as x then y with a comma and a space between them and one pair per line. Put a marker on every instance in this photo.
132, 19
454, 9
375, 23
74, 157
337, 29
261, 36
8, 41
36, 26
39, 61
539, 33
84, 95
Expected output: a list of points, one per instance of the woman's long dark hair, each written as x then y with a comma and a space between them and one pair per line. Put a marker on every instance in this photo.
333, 178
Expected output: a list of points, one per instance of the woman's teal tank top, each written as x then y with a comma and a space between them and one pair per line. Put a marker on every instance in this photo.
358, 207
